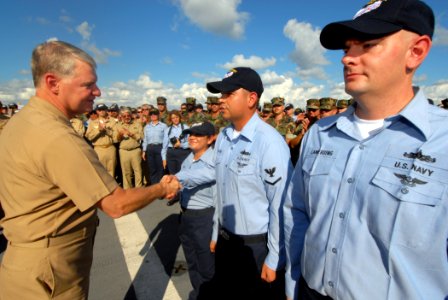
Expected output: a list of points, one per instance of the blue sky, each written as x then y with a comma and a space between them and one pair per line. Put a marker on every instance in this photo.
172, 48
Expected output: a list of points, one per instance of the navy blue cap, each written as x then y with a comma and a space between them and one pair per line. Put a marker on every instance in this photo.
241, 77
204, 128
378, 19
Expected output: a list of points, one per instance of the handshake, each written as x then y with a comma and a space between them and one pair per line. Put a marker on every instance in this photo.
171, 185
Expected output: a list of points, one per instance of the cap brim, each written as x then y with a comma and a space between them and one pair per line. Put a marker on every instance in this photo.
334, 35
221, 87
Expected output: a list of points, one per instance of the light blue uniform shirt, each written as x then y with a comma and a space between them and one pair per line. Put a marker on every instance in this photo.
153, 134
198, 181
375, 211
176, 131
251, 175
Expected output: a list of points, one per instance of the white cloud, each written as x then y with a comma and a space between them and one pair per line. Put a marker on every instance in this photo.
167, 60
337, 90
441, 36
253, 61
308, 54
100, 55
315, 72
65, 19
437, 91
420, 78
284, 86
24, 72
219, 16
42, 21
16, 90
85, 30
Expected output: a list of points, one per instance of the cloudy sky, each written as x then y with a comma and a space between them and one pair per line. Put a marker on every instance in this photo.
172, 48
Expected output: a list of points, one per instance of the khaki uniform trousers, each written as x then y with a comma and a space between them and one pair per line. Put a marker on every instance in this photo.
131, 166
107, 157
52, 268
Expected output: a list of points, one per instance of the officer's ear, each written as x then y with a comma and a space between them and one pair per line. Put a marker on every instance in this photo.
52, 82
418, 50
253, 100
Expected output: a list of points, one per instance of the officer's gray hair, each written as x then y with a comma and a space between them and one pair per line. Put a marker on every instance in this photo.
57, 57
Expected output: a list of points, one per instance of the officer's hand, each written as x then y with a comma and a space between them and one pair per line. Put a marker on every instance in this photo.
143, 155
212, 246
164, 163
267, 274
171, 188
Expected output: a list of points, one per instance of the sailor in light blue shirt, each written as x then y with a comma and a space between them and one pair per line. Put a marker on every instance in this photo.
153, 134
366, 215
251, 174
152, 146
174, 131
253, 166
197, 178
198, 199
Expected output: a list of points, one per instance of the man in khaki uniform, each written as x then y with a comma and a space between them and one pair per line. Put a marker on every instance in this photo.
130, 134
102, 133
51, 183
78, 126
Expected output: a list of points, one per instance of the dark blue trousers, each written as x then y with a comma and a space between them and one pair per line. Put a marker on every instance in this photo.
174, 159
195, 233
239, 261
154, 161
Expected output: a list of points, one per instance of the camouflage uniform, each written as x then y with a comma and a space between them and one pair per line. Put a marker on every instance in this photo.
163, 116
286, 124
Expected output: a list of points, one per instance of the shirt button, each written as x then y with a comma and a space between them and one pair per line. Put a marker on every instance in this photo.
334, 250
341, 215
350, 180
404, 190
361, 147
330, 283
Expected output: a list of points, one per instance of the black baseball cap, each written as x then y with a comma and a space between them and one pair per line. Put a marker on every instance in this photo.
101, 106
378, 19
241, 77
204, 129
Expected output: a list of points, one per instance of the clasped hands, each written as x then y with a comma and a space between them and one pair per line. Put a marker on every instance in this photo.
172, 186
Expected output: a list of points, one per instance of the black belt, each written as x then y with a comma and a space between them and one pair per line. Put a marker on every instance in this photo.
247, 239
171, 148
197, 212
154, 144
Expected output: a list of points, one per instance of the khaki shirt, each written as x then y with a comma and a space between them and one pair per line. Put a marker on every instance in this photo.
102, 138
50, 179
78, 126
131, 142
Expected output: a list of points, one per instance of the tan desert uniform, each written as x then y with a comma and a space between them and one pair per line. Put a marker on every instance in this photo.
103, 142
131, 154
50, 181
78, 126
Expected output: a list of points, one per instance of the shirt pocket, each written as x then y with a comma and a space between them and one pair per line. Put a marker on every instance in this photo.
317, 165
243, 167
413, 205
